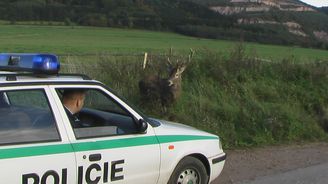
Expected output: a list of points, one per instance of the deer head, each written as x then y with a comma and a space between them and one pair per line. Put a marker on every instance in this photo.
172, 84
167, 90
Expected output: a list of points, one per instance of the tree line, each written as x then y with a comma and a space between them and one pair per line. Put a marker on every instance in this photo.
325, 9
148, 14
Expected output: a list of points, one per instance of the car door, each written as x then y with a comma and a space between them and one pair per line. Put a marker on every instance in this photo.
107, 144
34, 147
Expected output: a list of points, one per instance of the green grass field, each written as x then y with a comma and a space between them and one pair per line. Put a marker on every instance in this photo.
90, 40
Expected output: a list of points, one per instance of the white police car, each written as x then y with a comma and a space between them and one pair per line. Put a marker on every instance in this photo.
113, 144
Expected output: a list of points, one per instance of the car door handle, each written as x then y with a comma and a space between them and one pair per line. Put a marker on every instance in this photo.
94, 157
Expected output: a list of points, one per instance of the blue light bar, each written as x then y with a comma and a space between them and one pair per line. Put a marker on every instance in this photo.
36, 63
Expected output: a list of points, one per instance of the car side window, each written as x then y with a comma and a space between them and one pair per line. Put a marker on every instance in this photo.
99, 116
26, 117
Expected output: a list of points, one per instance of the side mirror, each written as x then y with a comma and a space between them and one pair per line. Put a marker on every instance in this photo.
142, 126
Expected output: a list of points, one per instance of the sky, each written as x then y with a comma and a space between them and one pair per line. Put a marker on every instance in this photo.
317, 3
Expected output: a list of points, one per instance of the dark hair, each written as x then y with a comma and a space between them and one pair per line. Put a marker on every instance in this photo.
71, 92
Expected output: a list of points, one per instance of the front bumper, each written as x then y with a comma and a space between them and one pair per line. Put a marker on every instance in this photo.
217, 162
219, 159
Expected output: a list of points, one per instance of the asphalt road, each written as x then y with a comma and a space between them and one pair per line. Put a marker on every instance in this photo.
317, 174
285, 164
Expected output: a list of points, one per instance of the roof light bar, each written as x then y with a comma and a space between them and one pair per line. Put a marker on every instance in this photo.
36, 63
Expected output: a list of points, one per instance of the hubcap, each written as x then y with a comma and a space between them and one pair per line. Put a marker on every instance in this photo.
188, 176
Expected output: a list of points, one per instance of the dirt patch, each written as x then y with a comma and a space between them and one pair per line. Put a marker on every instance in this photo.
243, 165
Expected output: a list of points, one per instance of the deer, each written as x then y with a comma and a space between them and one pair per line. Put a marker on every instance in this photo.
166, 90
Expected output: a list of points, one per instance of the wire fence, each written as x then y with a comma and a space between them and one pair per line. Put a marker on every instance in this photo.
106, 54
82, 62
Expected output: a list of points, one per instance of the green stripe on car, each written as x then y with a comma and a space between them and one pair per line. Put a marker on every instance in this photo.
96, 145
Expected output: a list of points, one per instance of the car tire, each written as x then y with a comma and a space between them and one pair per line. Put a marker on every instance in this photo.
189, 170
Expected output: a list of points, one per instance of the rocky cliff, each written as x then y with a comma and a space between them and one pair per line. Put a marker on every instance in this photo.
296, 17
238, 6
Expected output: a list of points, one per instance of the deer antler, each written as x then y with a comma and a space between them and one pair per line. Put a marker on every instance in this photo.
169, 65
191, 55
181, 69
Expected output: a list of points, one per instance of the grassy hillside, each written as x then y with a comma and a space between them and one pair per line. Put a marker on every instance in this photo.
88, 40
245, 101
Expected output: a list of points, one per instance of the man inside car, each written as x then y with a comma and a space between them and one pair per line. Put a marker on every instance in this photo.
73, 101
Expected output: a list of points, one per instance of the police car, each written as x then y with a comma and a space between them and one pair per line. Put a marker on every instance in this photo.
114, 143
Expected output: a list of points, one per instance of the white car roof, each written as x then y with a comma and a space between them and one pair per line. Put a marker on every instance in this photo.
13, 77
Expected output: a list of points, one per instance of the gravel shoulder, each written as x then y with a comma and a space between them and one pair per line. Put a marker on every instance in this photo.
248, 164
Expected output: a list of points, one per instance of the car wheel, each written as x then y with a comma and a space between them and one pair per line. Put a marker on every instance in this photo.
190, 170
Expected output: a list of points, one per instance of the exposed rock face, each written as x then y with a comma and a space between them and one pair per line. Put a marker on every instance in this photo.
227, 10
297, 32
238, 6
321, 35
293, 27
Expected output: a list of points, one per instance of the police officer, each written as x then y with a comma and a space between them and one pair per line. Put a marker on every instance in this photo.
73, 101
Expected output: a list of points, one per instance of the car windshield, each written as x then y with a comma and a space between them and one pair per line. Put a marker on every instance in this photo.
135, 108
